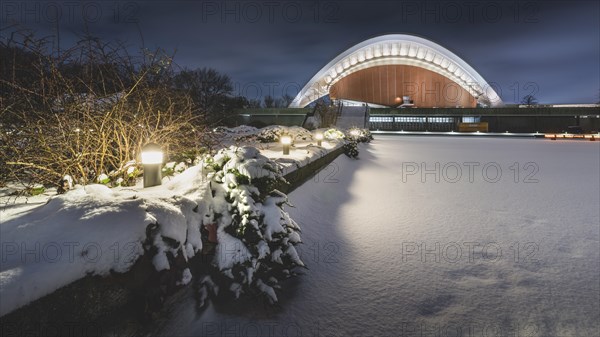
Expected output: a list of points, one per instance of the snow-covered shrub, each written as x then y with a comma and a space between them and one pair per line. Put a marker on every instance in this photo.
299, 133
333, 134
272, 134
359, 135
189, 156
231, 135
65, 184
126, 175
257, 238
36, 190
351, 149
172, 168
103, 179
238, 130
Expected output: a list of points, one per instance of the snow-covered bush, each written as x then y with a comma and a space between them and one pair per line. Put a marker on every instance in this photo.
257, 238
238, 130
354, 136
126, 175
351, 149
103, 179
359, 135
172, 168
272, 134
333, 134
36, 190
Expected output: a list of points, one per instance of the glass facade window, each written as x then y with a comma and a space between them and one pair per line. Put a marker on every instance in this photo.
471, 119
381, 119
440, 120
410, 119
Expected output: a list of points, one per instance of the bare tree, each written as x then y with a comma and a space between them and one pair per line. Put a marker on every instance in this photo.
87, 112
287, 100
212, 92
269, 101
254, 104
529, 101
282, 102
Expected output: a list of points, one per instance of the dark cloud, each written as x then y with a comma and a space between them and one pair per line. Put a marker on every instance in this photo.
554, 44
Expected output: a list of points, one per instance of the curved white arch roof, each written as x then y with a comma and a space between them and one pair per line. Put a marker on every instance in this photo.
396, 49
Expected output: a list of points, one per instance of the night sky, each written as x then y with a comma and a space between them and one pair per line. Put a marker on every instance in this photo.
548, 48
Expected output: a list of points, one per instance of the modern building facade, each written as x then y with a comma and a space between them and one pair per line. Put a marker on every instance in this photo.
399, 70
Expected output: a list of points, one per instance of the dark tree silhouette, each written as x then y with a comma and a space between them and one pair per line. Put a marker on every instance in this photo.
529, 101
282, 102
254, 104
269, 101
287, 100
211, 91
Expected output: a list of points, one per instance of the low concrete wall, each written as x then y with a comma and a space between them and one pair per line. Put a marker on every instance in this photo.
271, 116
92, 306
299, 176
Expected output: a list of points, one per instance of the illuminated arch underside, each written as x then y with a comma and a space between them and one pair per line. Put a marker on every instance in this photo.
387, 85
396, 49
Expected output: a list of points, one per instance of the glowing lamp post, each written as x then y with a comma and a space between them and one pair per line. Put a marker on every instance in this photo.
286, 141
152, 159
319, 138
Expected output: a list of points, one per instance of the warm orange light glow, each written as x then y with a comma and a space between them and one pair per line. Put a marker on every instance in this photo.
571, 136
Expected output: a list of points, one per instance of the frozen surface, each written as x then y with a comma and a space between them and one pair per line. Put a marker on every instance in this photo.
515, 258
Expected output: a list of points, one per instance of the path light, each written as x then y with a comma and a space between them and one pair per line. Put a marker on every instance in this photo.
286, 141
152, 159
319, 138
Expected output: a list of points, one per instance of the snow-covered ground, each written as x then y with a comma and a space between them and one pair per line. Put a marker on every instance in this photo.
51, 242
393, 253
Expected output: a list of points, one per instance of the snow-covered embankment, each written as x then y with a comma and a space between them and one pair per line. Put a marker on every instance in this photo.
95, 230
